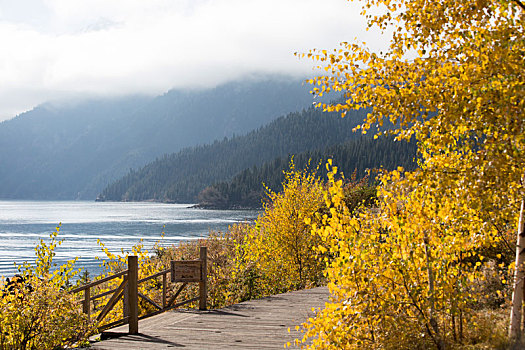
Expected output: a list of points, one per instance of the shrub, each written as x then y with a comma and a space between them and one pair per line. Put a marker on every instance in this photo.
279, 247
38, 312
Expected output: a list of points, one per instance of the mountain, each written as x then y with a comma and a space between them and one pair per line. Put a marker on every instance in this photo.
73, 151
179, 177
247, 189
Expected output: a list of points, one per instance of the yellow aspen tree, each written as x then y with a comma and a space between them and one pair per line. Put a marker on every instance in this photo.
452, 78
401, 273
280, 245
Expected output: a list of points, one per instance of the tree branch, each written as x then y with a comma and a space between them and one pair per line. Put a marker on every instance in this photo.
520, 4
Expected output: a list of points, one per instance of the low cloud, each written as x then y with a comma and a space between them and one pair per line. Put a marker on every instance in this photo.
119, 47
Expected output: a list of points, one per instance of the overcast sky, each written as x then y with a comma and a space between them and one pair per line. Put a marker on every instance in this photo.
59, 49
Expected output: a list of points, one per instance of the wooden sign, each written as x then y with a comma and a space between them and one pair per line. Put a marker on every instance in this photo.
186, 270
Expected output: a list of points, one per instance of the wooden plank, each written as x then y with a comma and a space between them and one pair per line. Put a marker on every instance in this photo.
163, 272
149, 301
256, 324
120, 322
113, 300
172, 299
155, 313
98, 296
96, 283
183, 303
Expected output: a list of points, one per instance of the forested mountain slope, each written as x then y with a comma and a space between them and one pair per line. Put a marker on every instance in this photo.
72, 151
354, 157
179, 177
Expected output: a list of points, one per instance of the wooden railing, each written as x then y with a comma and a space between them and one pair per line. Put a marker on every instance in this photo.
185, 271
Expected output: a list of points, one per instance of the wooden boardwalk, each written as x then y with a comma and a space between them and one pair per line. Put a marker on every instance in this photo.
255, 324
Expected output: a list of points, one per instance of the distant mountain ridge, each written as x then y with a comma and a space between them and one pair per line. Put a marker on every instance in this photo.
180, 177
74, 151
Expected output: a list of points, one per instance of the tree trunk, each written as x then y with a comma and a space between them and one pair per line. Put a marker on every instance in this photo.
440, 343
519, 275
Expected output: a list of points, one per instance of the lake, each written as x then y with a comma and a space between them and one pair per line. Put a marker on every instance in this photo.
117, 225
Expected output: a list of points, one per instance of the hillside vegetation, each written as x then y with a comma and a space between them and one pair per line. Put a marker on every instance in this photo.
354, 157
180, 177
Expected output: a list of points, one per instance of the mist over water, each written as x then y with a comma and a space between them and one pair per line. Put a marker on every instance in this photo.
118, 225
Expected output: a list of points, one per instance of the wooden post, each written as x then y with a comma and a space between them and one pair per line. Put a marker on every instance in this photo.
125, 302
133, 294
86, 307
203, 284
164, 287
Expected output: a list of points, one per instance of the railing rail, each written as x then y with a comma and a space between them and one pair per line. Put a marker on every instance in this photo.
180, 271
97, 282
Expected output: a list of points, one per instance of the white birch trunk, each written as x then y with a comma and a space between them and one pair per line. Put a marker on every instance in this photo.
519, 275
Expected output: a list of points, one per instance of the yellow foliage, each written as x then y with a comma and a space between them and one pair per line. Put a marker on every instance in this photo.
280, 246
36, 312
276, 254
403, 272
405, 275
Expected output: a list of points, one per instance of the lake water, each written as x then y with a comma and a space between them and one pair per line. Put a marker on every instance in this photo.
117, 225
